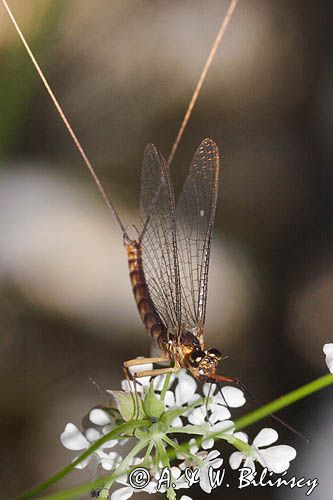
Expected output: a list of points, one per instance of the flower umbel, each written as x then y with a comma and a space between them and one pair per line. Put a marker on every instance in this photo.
162, 412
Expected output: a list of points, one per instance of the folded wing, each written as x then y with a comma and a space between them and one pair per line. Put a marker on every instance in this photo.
158, 240
195, 216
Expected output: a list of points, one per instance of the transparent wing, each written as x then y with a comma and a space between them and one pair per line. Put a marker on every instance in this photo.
195, 219
158, 240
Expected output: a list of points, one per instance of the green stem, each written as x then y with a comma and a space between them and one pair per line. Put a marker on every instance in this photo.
124, 464
148, 452
175, 446
164, 457
44, 485
191, 429
170, 442
165, 385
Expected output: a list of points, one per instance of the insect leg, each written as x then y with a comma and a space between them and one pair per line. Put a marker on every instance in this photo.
207, 401
154, 373
135, 396
143, 361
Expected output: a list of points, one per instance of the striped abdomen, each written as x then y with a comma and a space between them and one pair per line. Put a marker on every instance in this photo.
147, 310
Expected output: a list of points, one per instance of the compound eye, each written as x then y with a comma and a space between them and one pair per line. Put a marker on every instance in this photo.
196, 357
214, 354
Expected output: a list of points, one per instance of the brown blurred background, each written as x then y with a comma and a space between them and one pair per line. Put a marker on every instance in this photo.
124, 72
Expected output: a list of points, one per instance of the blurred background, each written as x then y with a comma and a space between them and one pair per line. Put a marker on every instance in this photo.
124, 72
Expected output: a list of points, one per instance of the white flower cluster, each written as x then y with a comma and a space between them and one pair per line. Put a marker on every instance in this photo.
195, 418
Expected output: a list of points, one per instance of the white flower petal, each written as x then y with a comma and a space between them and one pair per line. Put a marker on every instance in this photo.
219, 413
109, 461
92, 434
121, 442
204, 481
140, 368
169, 399
207, 443
277, 458
135, 461
185, 497
151, 488
328, 351
236, 459
233, 396
128, 386
209, 388
122, 479
111, 443
194, 398
84, 463
266, 437
212, 455
242, 436
197, 416
193, 447
176, 472
213, 460
249, 464
226, 426
73, 439
216, 464
144, 381
99, 417
125, 385
122, 493
177, 422
185, 389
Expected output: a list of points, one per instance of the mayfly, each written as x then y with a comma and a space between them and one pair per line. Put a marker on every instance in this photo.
169, 261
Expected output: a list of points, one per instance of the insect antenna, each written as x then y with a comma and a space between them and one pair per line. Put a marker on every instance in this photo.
202, 78
259, 403
97, 386
195, 95
68, 126
275, 417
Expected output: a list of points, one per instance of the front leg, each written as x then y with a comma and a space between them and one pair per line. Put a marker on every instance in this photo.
154, 373
146, 373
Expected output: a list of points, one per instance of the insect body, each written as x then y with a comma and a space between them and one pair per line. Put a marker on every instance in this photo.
147, 310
